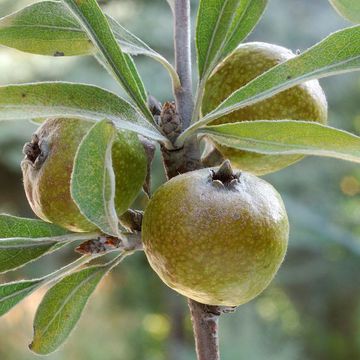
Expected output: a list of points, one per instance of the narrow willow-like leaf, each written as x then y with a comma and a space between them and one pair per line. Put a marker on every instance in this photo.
16, 227
19, 251
338, 53
93, 179
62, 307
98, 30
131, 64
349, 9
12, 293
49, 28
41, 100
287, 137
221, 26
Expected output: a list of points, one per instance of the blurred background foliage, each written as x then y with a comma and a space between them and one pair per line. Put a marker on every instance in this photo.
311, 310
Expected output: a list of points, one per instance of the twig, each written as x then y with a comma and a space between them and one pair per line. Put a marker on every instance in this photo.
182, 33
205, 319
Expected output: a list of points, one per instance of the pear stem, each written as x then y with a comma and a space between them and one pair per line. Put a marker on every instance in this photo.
205, 319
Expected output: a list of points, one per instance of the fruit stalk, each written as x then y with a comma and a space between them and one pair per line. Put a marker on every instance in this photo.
205, 319
205, 323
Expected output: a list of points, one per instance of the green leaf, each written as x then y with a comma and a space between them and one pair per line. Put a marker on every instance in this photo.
49, 28
349, 9
338, 53
45, 28
93, 178
131, 64
287, 137
19, 251
16, 227
98, 30
41, 100
12, 293
62, 307
221, 26
132, 45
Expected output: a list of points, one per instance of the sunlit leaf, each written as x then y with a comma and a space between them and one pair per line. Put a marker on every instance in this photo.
286, 137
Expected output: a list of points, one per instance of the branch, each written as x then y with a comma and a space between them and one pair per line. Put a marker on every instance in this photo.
182, 33
205, 319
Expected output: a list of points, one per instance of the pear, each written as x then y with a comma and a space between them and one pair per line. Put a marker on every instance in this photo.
215, 236
305, 102
48, 164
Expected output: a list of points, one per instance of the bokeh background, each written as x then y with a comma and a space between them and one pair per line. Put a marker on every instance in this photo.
311, 310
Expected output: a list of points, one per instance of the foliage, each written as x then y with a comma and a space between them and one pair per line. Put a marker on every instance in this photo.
91, 32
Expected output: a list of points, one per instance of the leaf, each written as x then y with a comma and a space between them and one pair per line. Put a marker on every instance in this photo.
132, 45
18, 251
95, 24
45, 28
49, 28
131, 64
287, 137
16, 227
338, 53
349, 9
221, 26
12, 293
62, 307
41, 100
93, 178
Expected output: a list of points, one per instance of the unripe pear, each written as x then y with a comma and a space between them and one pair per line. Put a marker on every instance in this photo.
48, 165
305, 102
216, 237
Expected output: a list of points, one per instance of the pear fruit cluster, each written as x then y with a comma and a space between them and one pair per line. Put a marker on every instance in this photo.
216, 236
305, 102
48, 164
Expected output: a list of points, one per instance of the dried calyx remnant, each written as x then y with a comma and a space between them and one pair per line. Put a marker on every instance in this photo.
34, 151
98, 246
225, 175
170, 121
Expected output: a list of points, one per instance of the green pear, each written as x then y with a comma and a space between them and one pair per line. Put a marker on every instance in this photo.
48, 164
305, 102
216, 237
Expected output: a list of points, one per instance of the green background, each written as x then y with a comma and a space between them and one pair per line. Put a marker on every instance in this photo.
311, 310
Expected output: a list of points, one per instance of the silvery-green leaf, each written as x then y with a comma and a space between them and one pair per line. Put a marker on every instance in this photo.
336, 54
221, 26
285, 137
93, 178
95, 24
349, 9
52, 99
